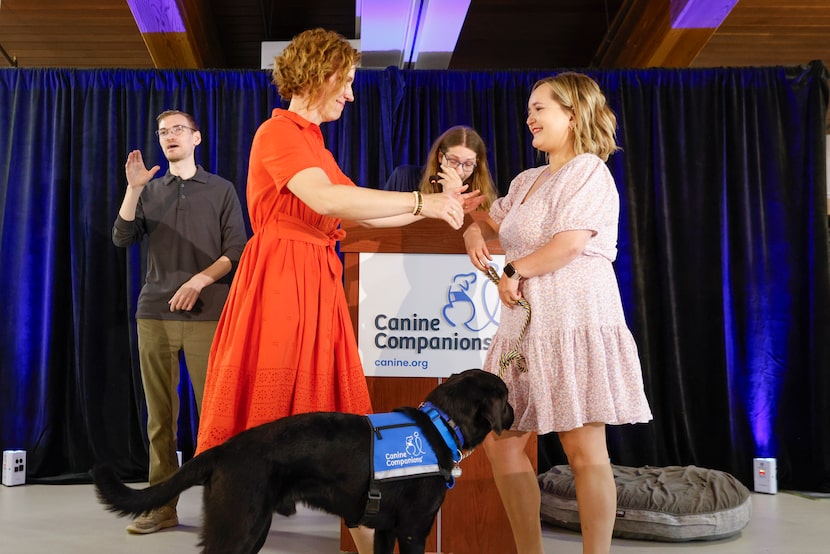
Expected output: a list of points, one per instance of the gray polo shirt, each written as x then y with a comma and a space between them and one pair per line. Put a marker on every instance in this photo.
189, 224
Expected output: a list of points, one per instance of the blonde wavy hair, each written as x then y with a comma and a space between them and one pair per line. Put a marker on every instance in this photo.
479, 179
595, 125
310, 60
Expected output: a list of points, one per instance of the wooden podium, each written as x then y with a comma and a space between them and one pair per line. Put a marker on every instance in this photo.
472, 519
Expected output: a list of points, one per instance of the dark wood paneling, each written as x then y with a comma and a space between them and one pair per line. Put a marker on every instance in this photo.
244, 24
202, 32
81, 33
498, 34
172, 51
241, 30
770, 32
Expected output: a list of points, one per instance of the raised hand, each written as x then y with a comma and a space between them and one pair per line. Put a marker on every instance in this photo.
137, 173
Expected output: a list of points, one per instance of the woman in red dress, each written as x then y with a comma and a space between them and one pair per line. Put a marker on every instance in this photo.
284, 344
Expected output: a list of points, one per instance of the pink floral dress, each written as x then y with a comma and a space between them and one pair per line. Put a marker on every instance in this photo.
582, 359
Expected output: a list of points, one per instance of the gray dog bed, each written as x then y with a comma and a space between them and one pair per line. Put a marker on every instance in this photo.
675, 504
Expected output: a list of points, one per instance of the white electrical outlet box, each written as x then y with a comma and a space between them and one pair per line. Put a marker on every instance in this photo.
14, 467
766, 475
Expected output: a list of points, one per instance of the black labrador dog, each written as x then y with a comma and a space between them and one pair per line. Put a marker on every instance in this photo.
324, 460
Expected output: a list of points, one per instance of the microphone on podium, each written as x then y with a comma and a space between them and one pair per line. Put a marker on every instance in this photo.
433, 181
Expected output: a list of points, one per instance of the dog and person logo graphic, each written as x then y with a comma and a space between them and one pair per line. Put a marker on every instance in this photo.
475, 312
414, 446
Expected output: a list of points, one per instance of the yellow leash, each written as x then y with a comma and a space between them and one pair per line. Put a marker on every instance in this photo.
512, 355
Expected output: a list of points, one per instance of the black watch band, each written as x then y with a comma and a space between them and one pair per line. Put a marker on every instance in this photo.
511, 272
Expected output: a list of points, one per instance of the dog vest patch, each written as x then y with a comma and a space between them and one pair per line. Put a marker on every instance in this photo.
399, 448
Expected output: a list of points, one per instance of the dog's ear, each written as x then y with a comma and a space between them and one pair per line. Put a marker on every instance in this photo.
494, 414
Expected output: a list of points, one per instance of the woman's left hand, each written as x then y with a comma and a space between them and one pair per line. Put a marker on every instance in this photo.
509, 291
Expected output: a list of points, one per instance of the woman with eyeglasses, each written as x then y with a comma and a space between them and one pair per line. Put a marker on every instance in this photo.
458, 157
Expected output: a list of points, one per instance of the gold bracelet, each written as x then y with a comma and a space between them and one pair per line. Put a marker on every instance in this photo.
419, 202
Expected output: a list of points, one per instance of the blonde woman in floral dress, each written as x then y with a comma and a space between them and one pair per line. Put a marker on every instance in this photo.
558, 227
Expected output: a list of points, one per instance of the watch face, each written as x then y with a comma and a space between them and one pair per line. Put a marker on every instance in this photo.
509, 270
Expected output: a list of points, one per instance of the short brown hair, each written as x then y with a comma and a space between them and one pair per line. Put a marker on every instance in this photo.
186, 115
309, 60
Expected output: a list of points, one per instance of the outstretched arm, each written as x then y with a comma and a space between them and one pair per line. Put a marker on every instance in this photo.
363, 205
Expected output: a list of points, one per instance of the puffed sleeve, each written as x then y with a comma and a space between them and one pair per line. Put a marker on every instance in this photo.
590, 202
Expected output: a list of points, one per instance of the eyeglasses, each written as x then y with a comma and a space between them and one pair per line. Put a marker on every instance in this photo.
455, 163
175, 130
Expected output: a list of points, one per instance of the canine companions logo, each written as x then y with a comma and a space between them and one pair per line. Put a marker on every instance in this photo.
413, 444
398, 449
462, 309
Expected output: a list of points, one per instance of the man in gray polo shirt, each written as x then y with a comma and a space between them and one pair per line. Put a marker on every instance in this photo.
195, 231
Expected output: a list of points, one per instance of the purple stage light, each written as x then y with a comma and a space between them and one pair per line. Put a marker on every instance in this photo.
157, 16
700, 14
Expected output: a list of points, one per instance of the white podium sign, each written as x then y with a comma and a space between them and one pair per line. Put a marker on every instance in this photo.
424, 315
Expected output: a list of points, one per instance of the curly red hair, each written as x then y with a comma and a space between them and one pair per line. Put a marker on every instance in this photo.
310, 60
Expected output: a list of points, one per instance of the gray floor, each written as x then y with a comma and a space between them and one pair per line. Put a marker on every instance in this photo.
68, 519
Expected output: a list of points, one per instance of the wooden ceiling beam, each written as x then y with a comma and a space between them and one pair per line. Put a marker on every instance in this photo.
179, 34
661, 34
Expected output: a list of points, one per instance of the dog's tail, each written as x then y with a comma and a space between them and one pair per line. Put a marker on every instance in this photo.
124, 501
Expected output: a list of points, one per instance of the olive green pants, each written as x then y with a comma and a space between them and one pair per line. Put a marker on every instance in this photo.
159, 344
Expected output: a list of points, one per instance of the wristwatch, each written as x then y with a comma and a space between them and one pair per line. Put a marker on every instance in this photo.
511, 272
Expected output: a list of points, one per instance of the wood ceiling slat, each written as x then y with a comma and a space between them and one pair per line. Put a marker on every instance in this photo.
60, 32
766, 32
754, 39
776, 19
55, 33
784, 5
54, 5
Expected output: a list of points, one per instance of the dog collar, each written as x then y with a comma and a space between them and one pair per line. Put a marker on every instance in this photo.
455, 443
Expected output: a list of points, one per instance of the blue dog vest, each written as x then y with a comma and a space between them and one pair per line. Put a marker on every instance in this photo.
399, 449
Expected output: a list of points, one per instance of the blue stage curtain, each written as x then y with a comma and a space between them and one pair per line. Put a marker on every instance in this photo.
71, 388
723, 261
